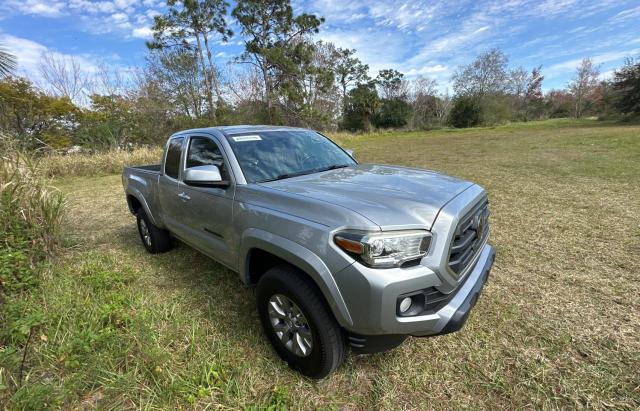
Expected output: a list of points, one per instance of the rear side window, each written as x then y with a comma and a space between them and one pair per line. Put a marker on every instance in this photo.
172, 161
205, 152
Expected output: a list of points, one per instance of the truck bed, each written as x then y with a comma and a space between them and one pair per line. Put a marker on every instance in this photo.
150, 167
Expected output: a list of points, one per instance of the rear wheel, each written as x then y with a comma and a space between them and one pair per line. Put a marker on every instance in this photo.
298, 322
154, 239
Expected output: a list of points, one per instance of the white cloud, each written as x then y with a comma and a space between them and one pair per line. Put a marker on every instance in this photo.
142, 32
119, 17
96, 17
337, 10
29, 54
379, 48
569, 66
551, 8
627, 15
402, 15
34, 7
93, 7
429, 71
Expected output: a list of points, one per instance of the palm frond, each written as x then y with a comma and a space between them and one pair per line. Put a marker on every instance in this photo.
8, 62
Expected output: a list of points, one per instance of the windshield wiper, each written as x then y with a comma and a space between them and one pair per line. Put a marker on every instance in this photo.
289, 175
333, 167
303, 172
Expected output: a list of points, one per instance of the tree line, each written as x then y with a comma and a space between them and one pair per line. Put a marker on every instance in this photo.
283, 76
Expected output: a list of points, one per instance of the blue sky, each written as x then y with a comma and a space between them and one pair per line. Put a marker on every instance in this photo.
429, 38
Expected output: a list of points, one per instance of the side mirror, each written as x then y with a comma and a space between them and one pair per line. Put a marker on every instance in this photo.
350, 152
204, 176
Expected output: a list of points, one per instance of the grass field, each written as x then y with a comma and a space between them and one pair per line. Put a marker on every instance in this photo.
557, 326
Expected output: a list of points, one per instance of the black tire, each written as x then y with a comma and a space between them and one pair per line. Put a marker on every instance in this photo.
328, 349
158, 240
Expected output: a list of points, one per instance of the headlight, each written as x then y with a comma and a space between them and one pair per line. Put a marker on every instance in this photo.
384, 250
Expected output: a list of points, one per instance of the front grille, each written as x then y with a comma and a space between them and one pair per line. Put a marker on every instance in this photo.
435, 299
470, 234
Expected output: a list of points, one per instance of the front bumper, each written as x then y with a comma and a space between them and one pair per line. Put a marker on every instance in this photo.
372, 303
480, 274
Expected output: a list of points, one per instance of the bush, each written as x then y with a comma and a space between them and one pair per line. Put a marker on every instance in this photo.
496, 109
394, 113
360, 105
465, 112
31, 212
626, 83
30, 209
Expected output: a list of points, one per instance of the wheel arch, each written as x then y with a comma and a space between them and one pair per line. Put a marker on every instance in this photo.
258, 244
135, 201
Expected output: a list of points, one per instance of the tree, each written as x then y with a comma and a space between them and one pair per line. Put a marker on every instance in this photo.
321, 95
444, 104
111, 80
517, 88
583, 84
362, 103
393, 113
424, 101
64, 76
626, 84
178, 75
487, 74
526, 91
391, 84
36, 118
559, 103
275, 44
156, 113
7, 62
465, 112
194, 20
349, 70
534, 97
110, 123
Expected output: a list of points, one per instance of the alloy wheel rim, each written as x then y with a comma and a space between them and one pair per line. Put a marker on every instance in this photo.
290, 325
144, 230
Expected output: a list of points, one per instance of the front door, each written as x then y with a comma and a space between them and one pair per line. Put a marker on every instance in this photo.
170, 188
209, 210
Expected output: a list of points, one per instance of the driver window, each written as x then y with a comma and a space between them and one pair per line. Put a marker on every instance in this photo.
205, 152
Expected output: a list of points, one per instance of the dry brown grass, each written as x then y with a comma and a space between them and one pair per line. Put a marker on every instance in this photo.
558, 326
102, 163
31, 210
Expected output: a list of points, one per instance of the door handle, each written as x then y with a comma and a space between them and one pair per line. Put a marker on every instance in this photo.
184, 197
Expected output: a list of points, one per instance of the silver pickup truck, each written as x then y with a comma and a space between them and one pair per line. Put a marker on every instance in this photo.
341, 253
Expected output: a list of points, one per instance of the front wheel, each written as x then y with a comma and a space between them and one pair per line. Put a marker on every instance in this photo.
298, 322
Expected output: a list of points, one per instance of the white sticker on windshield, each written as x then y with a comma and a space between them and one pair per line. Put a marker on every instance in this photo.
247, 138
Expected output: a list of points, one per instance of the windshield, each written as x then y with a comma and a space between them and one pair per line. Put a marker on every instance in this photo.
275, 155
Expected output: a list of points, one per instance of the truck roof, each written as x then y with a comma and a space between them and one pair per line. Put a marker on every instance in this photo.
239, 129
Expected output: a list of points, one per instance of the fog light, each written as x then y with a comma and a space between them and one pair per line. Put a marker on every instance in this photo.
405, 304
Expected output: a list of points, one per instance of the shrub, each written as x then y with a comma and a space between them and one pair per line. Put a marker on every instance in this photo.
393, 113
496, 109
31, 212
465, 112
361, 104
626, 83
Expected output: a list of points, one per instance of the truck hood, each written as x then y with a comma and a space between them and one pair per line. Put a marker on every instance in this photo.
391, 197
